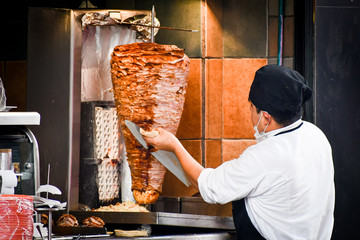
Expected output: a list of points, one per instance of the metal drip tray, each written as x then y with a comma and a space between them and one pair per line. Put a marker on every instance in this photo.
160, 218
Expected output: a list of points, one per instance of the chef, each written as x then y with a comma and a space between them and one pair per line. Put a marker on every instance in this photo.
283, 186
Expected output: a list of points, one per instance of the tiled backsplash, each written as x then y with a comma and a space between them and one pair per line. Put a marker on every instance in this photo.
238, 38
213, 98
213, 33
238, 75
191, 121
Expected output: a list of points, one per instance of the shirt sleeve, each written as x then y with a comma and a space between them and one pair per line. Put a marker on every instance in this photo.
232, 180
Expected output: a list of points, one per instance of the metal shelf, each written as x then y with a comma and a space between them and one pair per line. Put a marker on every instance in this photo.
19, 118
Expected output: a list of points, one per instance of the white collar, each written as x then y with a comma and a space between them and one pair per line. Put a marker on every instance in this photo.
279, 130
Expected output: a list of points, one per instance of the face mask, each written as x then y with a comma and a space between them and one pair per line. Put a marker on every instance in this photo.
260, 136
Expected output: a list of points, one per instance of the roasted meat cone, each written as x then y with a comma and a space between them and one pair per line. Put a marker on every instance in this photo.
149, 84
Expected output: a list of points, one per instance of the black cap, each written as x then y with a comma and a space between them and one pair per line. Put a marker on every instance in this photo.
279, 90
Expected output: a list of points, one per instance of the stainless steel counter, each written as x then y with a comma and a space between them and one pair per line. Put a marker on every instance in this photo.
160, 218
201, 236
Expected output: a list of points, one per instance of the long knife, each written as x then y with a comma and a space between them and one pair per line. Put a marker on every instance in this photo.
166, 158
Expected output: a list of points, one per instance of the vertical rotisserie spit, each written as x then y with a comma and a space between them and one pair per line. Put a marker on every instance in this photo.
149, 84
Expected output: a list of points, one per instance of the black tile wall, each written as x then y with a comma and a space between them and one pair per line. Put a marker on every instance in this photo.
123, 4
348, 3
245, 28
337, 107
184, 14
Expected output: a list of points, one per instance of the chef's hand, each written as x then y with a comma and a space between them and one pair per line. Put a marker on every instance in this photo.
162, 141
167, 141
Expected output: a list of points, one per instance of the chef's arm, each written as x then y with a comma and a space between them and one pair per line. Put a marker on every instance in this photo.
167, 141
191, 167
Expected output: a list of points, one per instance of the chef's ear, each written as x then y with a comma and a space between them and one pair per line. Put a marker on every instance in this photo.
266, 115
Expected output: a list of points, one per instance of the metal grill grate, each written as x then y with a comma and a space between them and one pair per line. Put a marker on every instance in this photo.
107, 149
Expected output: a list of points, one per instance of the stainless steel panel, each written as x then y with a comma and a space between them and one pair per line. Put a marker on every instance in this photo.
167, 204
50, 92
196, 205
75, 112
190, 220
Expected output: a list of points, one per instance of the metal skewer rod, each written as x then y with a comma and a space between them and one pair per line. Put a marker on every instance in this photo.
167, 28
48, 180
152, 23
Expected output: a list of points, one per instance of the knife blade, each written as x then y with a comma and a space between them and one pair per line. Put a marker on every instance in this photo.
166, 158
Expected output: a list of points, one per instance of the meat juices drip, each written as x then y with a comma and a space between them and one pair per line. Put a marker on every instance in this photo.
149, 84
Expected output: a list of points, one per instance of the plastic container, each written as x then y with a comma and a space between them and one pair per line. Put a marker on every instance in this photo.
16, 217
5, 159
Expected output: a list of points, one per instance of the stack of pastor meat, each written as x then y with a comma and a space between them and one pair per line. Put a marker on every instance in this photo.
149, 84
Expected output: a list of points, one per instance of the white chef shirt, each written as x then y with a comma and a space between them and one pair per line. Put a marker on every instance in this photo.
287, 182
